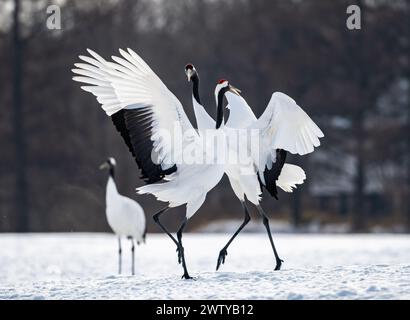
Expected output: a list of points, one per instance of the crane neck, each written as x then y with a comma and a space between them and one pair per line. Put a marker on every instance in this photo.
220, 108
195, 87
111, 191
112, 171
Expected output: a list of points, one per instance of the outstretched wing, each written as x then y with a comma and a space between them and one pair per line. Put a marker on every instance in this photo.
287, 126
146, 113
283, 127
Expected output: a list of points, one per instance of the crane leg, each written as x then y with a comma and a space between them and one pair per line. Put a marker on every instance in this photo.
158, 222
223, 253
266, 224
132, 256
180, 249
119, 255
181, 255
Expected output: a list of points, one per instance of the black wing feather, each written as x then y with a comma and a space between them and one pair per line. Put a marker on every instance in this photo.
119, 123
134, 125
271, 175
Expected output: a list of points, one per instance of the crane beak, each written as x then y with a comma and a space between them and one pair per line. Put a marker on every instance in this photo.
189, 74
234, 90
104, 166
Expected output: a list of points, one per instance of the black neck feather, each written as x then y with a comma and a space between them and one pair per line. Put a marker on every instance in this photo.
219, 108
195, 88
112, 171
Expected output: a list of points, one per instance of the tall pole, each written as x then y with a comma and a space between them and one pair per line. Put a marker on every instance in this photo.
359, 211
21, 206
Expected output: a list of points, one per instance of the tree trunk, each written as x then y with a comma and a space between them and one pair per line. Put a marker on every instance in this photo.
359, 214
296, 208
359, 182
359, 209
408, 157
20, 147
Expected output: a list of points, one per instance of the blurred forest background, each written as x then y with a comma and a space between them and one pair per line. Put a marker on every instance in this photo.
355, 84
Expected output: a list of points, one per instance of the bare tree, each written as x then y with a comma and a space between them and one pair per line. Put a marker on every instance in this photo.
18, 124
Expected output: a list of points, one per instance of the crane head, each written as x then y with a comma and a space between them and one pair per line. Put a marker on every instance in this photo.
109, 163
190, 71
224, 84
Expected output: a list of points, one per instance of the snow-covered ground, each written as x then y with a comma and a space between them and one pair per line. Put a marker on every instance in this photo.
83, 266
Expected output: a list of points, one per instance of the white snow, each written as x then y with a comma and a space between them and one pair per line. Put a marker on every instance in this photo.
83, 266
229, 226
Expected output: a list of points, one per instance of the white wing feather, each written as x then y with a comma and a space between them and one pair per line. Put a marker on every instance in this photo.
203, 120
241, 114
287, 126
283, 125
290, 176
129, 83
